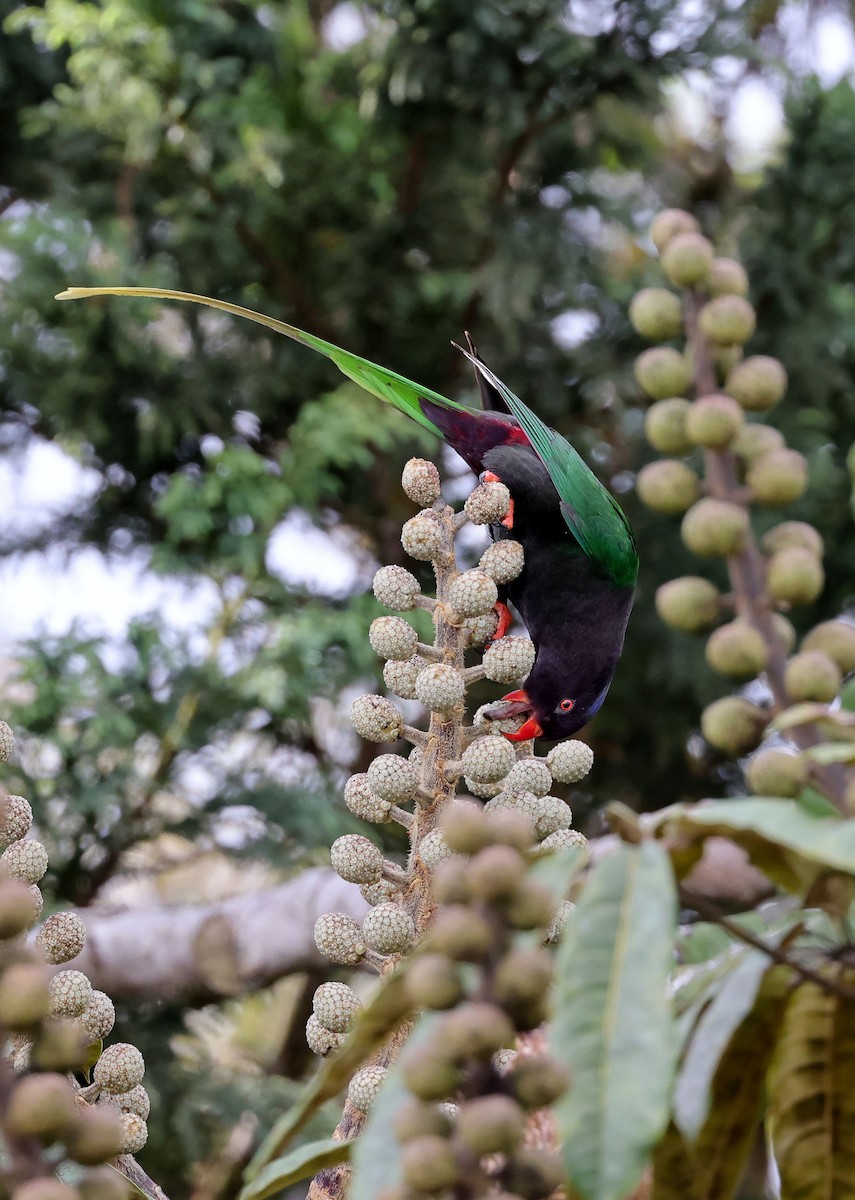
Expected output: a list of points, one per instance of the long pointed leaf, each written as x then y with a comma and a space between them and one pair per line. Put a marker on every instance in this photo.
613, 1024
301, 1163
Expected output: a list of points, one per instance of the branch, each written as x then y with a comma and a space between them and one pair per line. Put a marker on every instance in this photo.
203, 952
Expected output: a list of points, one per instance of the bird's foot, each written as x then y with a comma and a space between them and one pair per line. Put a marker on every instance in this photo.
508, 520
505, 621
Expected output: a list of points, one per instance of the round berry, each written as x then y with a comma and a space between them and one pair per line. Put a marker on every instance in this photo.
777, 478
554, 815
794, 576
488, 503
837, 640
738, 650
61, 938
665, 426
715, 527
727, 320
690, 603
503, 560
7, 741
389, 929
98, 1017
668, 224
120, 1068
356, 859
727, 277
757, 383
421, 536
363, 802
733, 725
420, 481
380, 892
339, 938
562, 839
396, 587
433, 848
776, 773
376, 719
440, 687
481, 629
393, 778
335, 1005
364, 1087
531, 775
134, 1133
473, 594
713, 421
27, 860
400, 677
812, 675
16, 817
393, 638
687, 259
662, 372
793, 533
509, 659
667, 486
135, 1101
570, 761
488, 759
322, 1041
70, 993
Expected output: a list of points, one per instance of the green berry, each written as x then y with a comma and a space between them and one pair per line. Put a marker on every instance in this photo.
665, 426
727, 320
776, 773
668, 224
733, 725
713, 421
715, 527
662, 372
793, 576
687, 259
667, 486
689, 603
656, 314
727, 277
757, 383
812, 675
737, 650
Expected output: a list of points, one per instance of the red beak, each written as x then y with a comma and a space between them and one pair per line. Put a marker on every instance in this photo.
530, 730
514, 705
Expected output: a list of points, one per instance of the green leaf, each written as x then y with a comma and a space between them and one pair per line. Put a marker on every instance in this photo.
812, 1099
301, 1163
724, 1014
560, 870
376, 1163
613, 1024
792, 846
386, 1012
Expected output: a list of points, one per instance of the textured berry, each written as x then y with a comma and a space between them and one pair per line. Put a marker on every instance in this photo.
503, 560
525, 803
461, 934
396, 587
794, 576
433, 848
120, 1068
420, 481
737, 650
440, 687
135, 1101
757, 383
503, 1060
481, 629
531, 775
389, 929
554, 815
421, 536
393, 778
689, 603
7, 741
562, 839
570, 761
339, 938
733, 725
476, 1029
665, 426
727, 277
98, 1017
793, 533
24, 997
715, 527
27, 860
96, 1135
667, 486
70, 992
668, 224
61, 938
16, 817
365, 803
509, 659
16, 908
687, 259
37, 899
494, 873
428, 1164
393, 638
21, 1056
776, 773
656, 314
559, 922
473, 594
837, 640
335, 1005
488, 503
486, 791
40, 1106
727, 320
465, 828
134, 1133
376, 719
490, 1125
320, 1040
812, 675
356, 859
754, 440
433, 981
713, 421
380, 892
777, 478
400, 677
662, 372
364, 1087
537, 1080
488, 759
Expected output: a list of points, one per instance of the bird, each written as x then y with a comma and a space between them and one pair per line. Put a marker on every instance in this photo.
577, 586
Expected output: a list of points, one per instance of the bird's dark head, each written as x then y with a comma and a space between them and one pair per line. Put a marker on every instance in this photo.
555, 705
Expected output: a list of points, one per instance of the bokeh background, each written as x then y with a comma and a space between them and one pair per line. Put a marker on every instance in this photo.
192, 509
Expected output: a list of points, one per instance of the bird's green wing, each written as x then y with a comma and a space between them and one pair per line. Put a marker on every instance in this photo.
403, 393
592, 514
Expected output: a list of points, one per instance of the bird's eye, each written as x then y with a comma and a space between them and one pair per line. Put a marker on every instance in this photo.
567, 705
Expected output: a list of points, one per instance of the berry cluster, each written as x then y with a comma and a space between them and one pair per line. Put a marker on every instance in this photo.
54, 1020
744, 462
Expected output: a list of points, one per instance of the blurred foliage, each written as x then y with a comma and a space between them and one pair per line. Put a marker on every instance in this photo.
386, 173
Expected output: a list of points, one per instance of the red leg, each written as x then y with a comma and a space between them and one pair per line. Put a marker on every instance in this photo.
505, 621
508, 521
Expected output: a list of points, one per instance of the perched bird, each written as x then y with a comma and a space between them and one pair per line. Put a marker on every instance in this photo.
576, 589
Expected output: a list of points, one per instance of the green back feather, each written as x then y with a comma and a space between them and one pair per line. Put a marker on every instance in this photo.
592, 514
388, 385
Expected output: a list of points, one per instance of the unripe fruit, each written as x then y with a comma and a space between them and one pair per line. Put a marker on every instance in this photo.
488, 503
490, 1125
724, 358
465, 828
70, 993
753, 440
433, 848
667, 486
687, 259
713, 421
396, 587
665, 426
16, 817
376, 719
778, 478
60, 1045
655, 313
733, 725
668, 224
335, 1005
488, 759
509, 828
689, 603
62, 937
356, 859
96, 1136
785, 632
440, 687
135, 1101
103, 1183
662, 372
533, 1174
380, 892
429, 1075
715, 527
389, 929
837, 640
363, 802
794, 576
98, 1017
793, 533
494, 873
420, 481
433, 981
16, 908
393, 638
503, 560
530, 907
27, 860
758, 383
120, 1068
523, 975
562, 839
364, 1087
40, 1106
400, 677
7, 741
476, 1029
509, 659
727, 320
554, 815
392, 778
320, 1040
737, 650
24, 997
727, 277
421, 536
473, 593
570, 761
414, 1118
538, 1080
812, 675
776, 773
134, 1133
428, 1164
522, 803
461, 934
339, 938
480, 629
530, 775
449, 883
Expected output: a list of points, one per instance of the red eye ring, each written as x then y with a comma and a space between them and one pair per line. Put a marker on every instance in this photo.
567, 705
